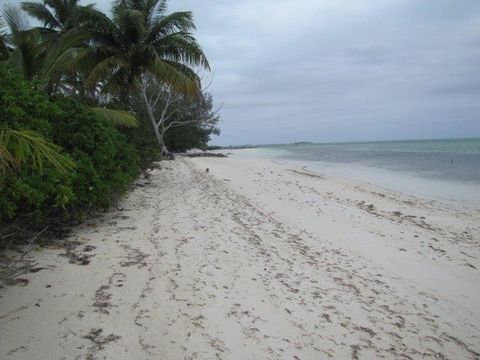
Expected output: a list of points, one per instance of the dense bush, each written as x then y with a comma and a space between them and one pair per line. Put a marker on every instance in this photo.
105, 162
142, 137
180, 139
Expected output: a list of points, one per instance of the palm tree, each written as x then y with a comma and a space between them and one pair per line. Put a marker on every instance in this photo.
51, 61
141, 39
18, 147
60, 17
37, 57
57, 16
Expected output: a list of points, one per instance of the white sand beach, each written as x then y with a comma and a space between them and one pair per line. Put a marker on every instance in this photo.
253, 260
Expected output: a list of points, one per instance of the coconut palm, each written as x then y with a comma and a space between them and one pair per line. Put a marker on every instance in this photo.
141, 38
57, 16
53, 62
36, 57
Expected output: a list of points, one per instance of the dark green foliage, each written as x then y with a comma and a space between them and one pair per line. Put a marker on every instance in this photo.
105, 162
180, 139
142, 137
61, 153
82, 53
197, 122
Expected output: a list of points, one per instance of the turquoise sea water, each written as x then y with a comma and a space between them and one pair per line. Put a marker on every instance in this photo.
440, 169
435, 159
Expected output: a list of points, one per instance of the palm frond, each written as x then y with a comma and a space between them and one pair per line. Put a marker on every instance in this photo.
133, 23
103, 68
16, 21
28, 53
41, 13
156, 8
20, 146
4, 53
7, 161
182, 47
27, 43
62, 9
61, 55
116, 117
174, 22
185, 70
114, 83
172, 76
91, 18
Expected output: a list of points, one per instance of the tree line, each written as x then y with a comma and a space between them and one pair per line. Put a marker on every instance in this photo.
88, 100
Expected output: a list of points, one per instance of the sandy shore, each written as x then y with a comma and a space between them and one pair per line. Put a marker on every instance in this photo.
254, 260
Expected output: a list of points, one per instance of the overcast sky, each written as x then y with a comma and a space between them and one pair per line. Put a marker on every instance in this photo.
331, 70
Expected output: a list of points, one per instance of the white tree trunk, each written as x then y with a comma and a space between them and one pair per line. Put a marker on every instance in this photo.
159, 126
160, 135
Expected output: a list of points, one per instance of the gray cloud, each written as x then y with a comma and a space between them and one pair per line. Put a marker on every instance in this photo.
334, 70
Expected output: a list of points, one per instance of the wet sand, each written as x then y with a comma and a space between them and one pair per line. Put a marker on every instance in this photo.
254, 260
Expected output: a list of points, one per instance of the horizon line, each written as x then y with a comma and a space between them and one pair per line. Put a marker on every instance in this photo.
352, 141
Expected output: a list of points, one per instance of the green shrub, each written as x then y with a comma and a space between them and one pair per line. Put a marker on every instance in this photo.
106, 163
143, 137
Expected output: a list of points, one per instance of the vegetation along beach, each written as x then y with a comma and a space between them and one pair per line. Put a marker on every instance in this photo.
142, 216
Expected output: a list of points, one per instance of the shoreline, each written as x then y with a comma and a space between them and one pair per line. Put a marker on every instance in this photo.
254, 259
448, 191
452, 193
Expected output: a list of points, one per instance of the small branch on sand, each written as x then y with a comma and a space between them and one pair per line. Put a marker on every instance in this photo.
13, 268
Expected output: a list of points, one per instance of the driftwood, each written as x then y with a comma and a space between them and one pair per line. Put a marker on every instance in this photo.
202, 154
12, 268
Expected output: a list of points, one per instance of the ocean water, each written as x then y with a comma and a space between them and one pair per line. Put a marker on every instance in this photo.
446, 170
